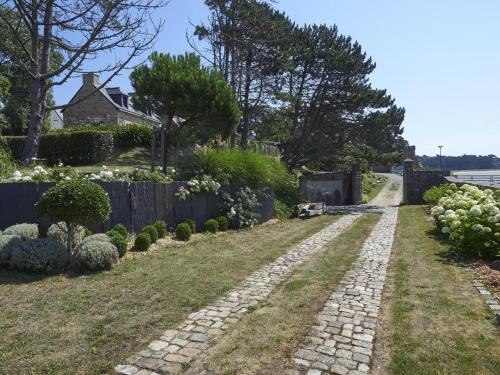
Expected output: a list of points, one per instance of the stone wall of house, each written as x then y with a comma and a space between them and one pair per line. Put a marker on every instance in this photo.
95, 109
125, 118
416, 183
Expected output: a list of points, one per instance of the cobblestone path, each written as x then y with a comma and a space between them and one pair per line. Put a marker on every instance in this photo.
341, 340
178, 347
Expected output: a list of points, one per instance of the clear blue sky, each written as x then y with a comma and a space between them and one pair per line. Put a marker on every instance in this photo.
440, 59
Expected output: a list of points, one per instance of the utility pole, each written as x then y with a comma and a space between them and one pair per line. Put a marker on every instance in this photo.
440, 158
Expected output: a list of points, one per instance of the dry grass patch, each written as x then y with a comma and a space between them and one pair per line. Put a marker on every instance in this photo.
88, 324
435, 322
264, 341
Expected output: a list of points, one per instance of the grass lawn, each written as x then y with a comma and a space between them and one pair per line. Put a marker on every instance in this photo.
433, 319
264, 341
126, 161
88, 324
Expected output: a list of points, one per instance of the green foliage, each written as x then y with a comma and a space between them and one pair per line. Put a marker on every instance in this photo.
7, 164
192, 225
151, 230
24, 231
75, 202
59, 233
87, 233
161, 228
181, 86
240, 167
124, 136
435, 193
73, 148
139, 175
284, 208
211, 226
41, 255
119, 240
5, 249
223, 223
142, 242
122, 229
97, 237
94, 256
183, 232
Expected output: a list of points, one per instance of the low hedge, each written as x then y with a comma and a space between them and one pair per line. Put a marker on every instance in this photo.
72, 148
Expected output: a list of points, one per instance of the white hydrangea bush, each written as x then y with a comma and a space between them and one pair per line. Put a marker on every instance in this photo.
239, 208
470, 217
204, 184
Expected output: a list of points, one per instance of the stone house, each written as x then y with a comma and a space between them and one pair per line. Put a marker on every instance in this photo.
108, 105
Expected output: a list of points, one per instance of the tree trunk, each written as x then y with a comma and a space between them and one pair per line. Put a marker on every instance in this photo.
35, 128
71, 239
246, 102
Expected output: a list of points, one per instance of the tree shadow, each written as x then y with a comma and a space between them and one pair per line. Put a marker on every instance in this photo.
12, 277
450, 256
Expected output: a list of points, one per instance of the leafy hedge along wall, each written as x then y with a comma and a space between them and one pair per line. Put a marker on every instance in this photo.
134, 204
73, 148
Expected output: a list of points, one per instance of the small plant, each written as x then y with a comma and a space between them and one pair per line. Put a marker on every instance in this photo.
75, 202
41, 255
151, 230
120, 241
222, 222
25, 231
183, 232
161, 228
87, 232
58, 232
120, 228
94, 256
142, 242
435, 193
97, 237
192, 225
211, 226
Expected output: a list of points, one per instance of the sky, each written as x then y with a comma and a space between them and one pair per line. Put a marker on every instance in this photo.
440, 59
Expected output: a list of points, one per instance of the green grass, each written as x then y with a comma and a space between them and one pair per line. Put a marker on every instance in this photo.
371, 186
88, 324
264, 341
126, 161
435, 321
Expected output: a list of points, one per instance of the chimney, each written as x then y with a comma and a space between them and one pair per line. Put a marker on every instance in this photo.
90, 79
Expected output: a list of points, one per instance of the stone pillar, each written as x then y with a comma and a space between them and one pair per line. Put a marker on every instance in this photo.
407, 179
357, 189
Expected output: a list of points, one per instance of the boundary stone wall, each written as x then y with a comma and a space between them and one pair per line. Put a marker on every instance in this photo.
415, 183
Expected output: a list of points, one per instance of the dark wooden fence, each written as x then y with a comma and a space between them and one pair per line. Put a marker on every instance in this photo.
134, 204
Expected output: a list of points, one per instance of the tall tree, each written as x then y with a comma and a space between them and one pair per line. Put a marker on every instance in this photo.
244, 39
80, 30
180, 86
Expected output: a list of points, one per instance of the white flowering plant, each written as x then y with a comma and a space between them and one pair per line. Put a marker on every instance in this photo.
239, 208
204, 184
470, 218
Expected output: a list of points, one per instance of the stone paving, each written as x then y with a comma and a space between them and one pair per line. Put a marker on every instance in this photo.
341, 340
172, 352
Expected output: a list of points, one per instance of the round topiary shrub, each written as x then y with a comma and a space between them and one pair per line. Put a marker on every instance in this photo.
192, 225
75, 202
119, 241
142, 242
42, 255
97, 237
122, 229
151, 230
211, 226
59, 233
183, 232
25, 231
5, 249
223, 223
94, 256
161, 228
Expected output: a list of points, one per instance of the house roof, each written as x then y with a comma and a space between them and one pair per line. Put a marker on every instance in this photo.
106, 92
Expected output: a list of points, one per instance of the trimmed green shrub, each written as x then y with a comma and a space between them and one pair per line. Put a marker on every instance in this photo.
161, 228
122, 229
183, 232
120, 241
25, 231
97, 237
59, 233
94, 256
73, 148
151, 230
211, 226
223, 223
142, 242
42, 255
192, 225
5, 249
75, 202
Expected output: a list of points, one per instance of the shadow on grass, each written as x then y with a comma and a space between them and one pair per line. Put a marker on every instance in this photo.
11, 277
450, 256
